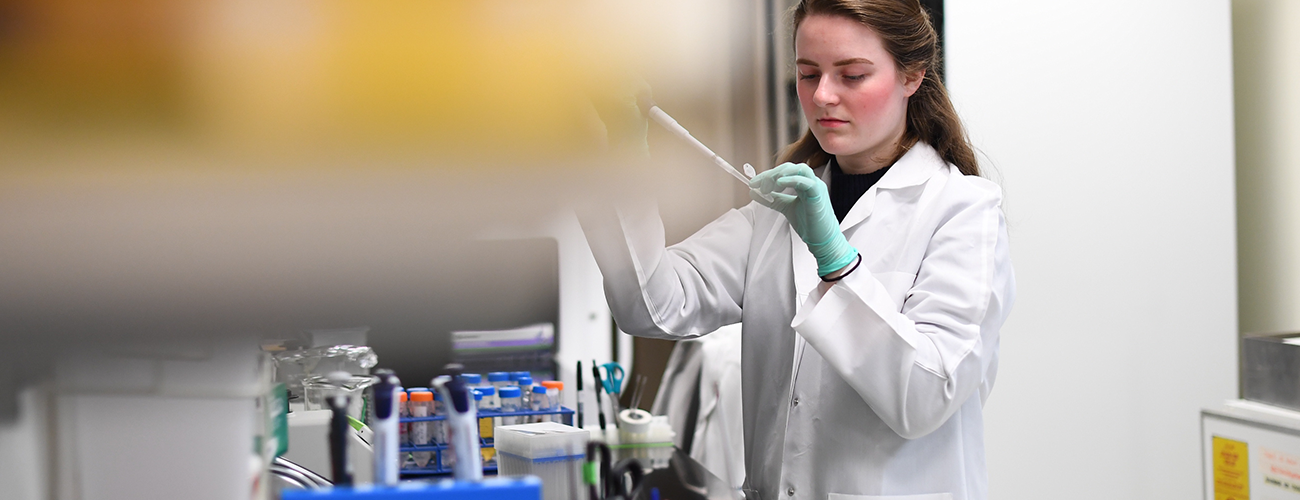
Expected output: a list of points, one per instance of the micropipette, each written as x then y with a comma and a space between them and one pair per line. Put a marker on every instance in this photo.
462, 424
386, 428
339, 430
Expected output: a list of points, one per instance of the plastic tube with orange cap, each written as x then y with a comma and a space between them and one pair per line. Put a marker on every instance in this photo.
421, 402
555, 396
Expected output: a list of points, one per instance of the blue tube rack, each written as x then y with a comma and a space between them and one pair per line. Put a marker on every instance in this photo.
437, 466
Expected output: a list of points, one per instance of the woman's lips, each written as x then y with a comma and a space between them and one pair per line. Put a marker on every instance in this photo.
831, 122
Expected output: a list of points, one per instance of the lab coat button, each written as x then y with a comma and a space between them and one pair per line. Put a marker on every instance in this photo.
796, 401
790, 491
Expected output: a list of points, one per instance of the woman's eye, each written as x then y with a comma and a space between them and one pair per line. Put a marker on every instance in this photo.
855, 78
808, 77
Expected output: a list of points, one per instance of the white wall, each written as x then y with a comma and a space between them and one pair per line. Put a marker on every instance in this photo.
1110, 126
1266, 47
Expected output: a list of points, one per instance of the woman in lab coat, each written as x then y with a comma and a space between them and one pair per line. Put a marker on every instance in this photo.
871, 287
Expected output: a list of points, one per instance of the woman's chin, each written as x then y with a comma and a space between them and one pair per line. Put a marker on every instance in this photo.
835, 149
834, 144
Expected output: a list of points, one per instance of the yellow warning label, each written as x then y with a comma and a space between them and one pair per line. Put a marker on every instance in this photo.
1231, 470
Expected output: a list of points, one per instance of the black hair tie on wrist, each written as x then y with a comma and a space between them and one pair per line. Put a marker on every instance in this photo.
856, 263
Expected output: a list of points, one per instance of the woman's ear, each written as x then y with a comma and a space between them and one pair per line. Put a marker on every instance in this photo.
912, 81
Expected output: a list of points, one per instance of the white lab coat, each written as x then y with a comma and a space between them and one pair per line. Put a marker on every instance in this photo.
706, 371
880, 392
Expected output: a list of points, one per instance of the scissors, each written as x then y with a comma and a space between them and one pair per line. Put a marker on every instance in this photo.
613, 378
613, 384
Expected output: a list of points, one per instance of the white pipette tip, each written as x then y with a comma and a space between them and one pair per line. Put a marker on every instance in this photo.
749, 172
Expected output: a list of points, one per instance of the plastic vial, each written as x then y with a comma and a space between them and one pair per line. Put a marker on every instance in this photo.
515, 376
538, 402
420, 404
472, 380
555, 396
510, 403
526, 385
499, 379
491, 405
484, 397
438, 428
403, 430
478, 404
484, 424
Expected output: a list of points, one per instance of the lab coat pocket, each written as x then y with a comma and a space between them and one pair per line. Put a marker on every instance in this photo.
927, 496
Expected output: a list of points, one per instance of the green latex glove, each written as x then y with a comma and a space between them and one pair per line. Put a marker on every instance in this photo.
809, 212
626, 125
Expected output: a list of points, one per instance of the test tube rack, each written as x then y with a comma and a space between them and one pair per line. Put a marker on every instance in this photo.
439, 466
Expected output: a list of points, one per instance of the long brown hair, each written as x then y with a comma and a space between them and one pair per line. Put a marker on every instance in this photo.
905, 28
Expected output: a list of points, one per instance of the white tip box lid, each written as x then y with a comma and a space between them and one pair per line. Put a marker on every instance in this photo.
541, 440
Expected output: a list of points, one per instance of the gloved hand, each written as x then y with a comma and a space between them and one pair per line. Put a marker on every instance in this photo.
809, 212
625, 124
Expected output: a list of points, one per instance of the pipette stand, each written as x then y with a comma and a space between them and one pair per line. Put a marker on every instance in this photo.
499, 488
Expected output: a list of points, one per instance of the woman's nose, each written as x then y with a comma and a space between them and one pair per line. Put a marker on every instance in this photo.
824, 95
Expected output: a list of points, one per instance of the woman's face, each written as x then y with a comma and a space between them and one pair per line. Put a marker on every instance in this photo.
853, 96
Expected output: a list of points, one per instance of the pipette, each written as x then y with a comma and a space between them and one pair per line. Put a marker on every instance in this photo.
340, 467
385, 426
677, 129
462, 424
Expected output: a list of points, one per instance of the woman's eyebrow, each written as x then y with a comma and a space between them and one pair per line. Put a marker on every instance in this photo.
855, 60
846, 62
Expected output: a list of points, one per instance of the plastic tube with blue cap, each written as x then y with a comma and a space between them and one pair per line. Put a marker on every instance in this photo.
511, 402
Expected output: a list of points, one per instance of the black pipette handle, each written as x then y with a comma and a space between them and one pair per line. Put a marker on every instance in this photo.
339, 465
580, 412
600, 408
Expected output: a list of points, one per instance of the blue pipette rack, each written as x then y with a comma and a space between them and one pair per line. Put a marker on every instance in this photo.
438, 466
511, 488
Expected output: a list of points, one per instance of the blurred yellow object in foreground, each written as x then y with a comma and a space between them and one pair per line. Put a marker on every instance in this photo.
306, 79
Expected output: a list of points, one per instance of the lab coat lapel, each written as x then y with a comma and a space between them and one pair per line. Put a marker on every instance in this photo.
915, 166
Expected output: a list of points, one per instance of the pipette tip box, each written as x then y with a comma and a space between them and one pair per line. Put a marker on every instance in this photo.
552, 451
